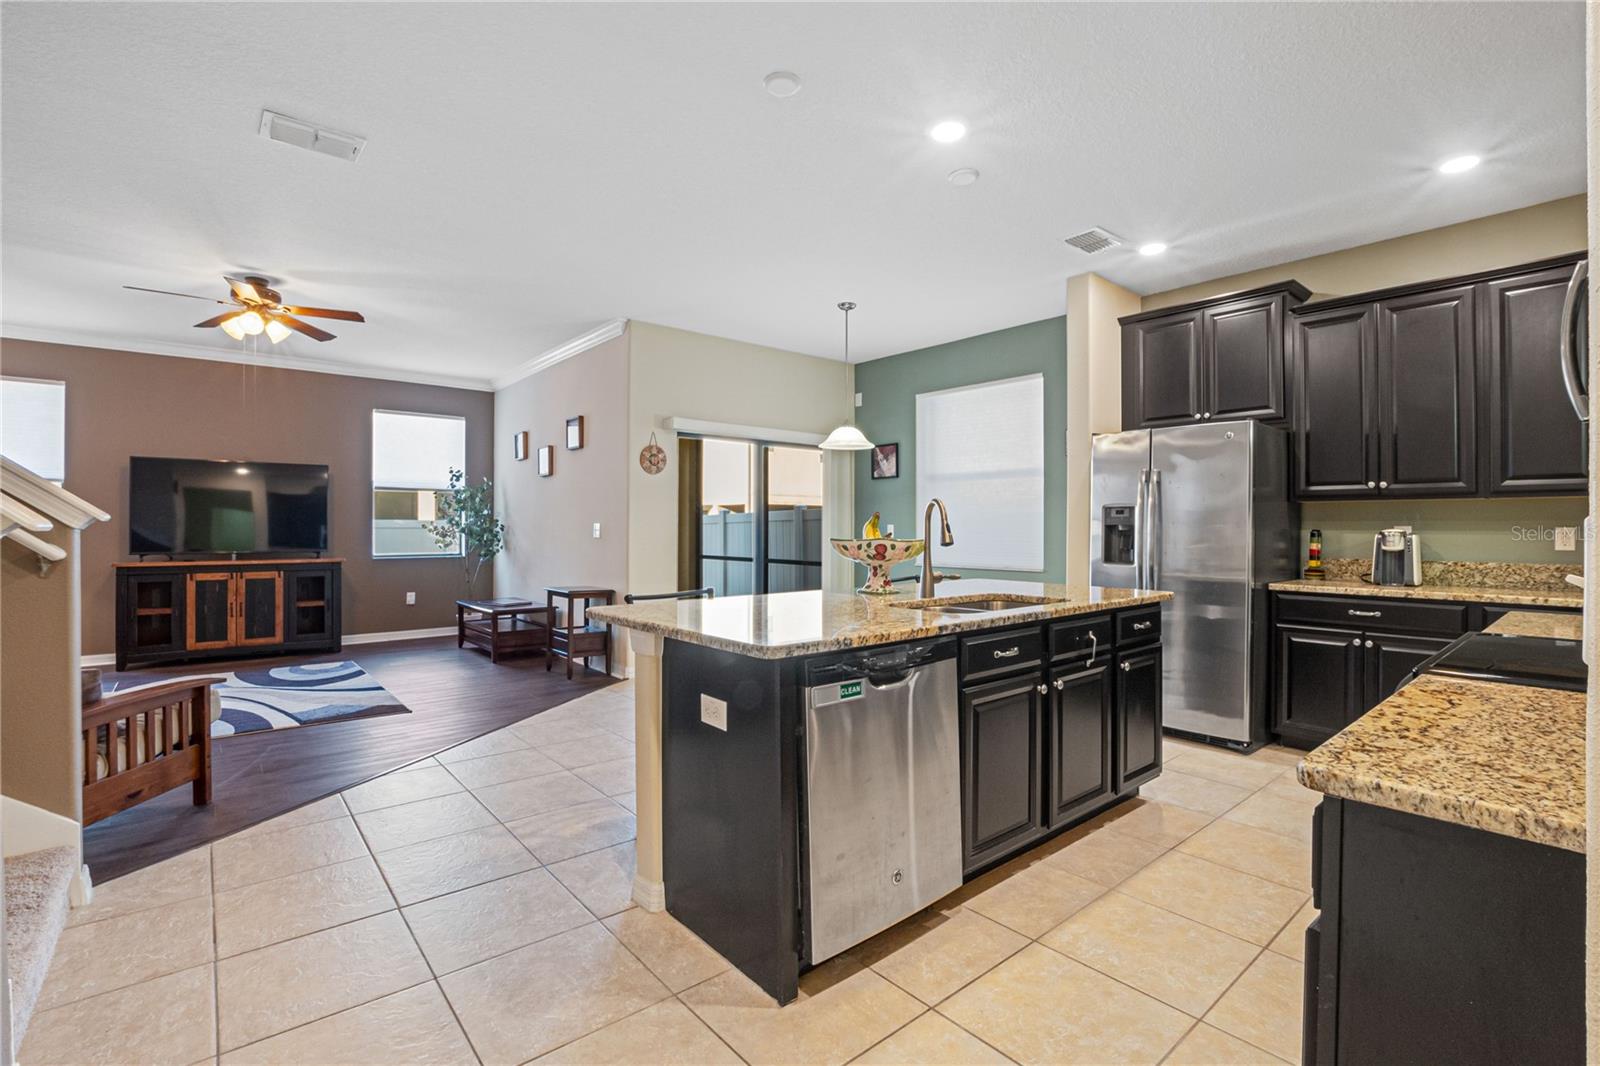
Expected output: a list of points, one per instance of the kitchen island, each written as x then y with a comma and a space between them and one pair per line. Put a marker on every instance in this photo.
782, 818
1449, 872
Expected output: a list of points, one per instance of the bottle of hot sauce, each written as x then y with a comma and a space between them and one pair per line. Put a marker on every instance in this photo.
1314, 555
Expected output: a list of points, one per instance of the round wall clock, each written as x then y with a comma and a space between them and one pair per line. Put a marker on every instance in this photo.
653, 457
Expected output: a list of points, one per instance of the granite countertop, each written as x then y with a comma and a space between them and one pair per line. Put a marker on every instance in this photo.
790, 624
1571, 596
1505, 758
1539, 624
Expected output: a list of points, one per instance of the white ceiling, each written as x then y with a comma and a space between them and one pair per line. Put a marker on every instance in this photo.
534, 170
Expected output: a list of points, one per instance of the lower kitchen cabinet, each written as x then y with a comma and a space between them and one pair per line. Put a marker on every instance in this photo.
1080, 742
1001, 743
1319, 682
1139, 715
1391, 658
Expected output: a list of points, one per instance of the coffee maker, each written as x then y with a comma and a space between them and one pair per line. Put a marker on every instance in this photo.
1396, 557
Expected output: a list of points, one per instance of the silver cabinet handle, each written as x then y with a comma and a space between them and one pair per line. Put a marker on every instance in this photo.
1094, 647
1368, 644
1044, 690
1206, 415
1060, 683
1197, 414
1383, 484
1569, 366
1372, 484
1142, 626
1009, 653
1126, 667
1353, 613
1355, 642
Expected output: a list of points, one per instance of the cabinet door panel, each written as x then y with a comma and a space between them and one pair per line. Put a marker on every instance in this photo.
309, 602
1139, 718
1535, 441
1320, 687
1427, 394
1161, 371
1389, 660
1080, 765
209, 622
1244, 371
1335, 402
260, 607
154, 613
1000, 754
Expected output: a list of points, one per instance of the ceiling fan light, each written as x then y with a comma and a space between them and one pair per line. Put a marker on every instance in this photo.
251, 323
276, 330
231, 327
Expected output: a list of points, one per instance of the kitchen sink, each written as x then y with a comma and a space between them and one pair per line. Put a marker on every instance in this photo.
970, 605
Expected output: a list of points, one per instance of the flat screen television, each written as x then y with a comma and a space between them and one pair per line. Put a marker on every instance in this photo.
225, 506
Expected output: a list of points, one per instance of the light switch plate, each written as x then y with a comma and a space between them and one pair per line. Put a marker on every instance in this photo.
714, 712
411, 599
1566, 539
597, 531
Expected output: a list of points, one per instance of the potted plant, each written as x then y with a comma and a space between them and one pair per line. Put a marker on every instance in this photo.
465, 518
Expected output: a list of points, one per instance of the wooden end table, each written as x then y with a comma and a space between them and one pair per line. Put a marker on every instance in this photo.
573, 639
503, 625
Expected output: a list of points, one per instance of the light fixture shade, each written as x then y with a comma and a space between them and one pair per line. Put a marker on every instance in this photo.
276, 330
846, 439
231, 327
251, 322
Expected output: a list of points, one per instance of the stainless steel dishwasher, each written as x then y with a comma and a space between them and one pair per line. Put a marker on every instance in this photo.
883, 789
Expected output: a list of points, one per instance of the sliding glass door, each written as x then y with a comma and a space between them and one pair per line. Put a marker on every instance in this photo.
760, 517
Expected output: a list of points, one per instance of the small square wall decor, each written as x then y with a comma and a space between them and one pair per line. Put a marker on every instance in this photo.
519, 445
574, 433
547, 460
885, 461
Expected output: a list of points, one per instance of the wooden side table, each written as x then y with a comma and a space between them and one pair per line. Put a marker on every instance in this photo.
503, 625
572, 639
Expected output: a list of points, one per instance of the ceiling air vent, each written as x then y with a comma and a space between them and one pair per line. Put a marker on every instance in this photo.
303, 134
1094, 240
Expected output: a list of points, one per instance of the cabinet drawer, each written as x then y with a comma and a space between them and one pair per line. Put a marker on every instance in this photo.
1138, 627
1081, 639
1002, 653
1390, 615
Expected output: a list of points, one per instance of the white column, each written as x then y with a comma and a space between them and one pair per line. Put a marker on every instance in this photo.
649, 887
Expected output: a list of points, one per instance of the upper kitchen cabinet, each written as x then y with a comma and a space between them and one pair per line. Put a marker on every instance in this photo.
1445, 388
1535, 440
1218, 359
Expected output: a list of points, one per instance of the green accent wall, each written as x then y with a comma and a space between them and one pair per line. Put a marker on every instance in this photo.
1471, 531
888, 415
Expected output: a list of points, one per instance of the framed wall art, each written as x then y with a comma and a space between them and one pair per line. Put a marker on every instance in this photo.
547, 460
519, 445
885, 461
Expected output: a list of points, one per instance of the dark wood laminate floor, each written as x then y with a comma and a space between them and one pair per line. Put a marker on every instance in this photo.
454, 695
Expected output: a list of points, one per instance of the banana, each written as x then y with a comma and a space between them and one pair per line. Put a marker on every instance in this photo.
871, 530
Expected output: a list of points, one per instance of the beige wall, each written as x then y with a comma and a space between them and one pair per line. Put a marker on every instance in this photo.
676, 373
1521, 236
550, 521
39, 686
125, 403
1094, 396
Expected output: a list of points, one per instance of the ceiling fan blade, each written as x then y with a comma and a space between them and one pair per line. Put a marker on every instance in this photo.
326, 312
164, 292
243, 290
219, 320
304, 327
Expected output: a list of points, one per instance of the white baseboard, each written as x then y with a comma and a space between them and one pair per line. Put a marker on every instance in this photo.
102, 659
81, 892
26, 828
649, 895
110, 658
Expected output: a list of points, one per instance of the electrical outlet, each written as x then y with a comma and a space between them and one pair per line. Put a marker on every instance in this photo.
888, 531
411, 599
597, 531
1566, 539
714, 712
858, 399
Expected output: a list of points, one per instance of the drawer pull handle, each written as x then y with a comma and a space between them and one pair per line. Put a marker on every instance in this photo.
1142, 626
1010, 653
1094, 646
1353, 613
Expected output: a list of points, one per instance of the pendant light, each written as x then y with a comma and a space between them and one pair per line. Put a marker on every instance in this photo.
846, 438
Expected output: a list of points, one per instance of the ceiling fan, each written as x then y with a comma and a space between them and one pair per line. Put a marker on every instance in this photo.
255, 308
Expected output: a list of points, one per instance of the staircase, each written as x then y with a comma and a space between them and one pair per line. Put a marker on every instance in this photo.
37, 884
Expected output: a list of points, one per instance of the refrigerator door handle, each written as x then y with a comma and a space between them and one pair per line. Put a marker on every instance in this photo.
1141, 516
1152, 548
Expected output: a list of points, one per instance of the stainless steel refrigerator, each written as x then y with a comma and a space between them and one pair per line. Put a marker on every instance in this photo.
1203, 512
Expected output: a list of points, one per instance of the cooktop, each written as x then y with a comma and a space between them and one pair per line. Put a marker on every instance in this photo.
1518, 660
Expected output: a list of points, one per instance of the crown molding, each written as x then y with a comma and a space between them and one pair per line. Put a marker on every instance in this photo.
564, 351
180, 350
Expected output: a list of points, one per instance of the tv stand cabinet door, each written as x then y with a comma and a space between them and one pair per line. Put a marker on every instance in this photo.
209, 622
311, 605
151, 615
259, 611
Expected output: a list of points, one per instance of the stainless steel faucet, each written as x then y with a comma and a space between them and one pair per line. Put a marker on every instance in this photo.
929, 577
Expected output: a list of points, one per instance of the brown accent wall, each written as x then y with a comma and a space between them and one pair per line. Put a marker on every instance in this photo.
126, 403
39, 687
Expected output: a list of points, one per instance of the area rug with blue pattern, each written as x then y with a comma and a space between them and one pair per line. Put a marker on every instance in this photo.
284, 697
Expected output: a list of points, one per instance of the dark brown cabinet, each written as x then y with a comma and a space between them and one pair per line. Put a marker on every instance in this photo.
1535, 443
1427, 410
1139, 718
209, 610
1001, 736
1216, 359
1335, 365
1319, 682
1080, 723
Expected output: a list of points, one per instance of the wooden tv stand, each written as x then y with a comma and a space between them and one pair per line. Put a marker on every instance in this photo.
226, 609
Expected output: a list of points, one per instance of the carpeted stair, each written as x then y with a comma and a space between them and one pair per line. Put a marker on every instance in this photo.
37, 886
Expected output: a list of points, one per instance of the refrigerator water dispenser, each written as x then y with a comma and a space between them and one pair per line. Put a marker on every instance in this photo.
1116, 524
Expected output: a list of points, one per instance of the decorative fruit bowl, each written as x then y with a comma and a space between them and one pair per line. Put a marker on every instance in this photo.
877, 554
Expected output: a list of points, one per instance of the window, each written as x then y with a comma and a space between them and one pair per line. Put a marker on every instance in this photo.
980, 448
33, 425
412, 456
761, 517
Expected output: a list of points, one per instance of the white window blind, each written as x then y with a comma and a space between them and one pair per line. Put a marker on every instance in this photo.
33, 425
980, 448
412, 451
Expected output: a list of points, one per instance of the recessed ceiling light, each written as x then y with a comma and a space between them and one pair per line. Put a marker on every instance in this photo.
1459, 164
949, 131
964, 176
1153, 248
781, 83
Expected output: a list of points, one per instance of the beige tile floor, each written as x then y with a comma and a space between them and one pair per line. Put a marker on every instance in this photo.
474, 907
